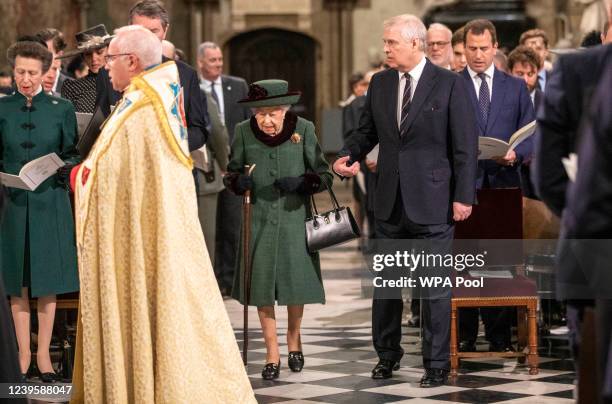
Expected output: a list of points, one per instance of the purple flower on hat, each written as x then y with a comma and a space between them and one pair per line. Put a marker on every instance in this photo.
257, 92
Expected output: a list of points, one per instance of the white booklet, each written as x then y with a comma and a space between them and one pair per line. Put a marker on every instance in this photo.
83, 119
489, 147
33, 173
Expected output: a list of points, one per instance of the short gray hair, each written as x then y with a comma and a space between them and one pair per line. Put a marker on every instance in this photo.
206, 45
436, 26
141, 42
411, 28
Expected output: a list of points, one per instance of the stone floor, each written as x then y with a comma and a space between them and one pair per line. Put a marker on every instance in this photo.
339, 356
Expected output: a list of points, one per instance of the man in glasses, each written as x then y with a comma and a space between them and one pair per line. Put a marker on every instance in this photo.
439, 50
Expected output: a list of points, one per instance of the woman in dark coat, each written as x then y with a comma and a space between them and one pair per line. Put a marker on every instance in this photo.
37, 233
92, 44
289, 168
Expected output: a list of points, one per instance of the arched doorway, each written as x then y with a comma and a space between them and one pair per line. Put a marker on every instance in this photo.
279, 54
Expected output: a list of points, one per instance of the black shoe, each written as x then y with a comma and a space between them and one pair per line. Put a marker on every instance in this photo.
271, 371
384, 369
434, 377
296, 361
49, 377
467, 346
24, 378
495, 347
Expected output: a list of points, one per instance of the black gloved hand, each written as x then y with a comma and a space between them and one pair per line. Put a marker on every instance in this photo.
63, 175
290, 184
243, 183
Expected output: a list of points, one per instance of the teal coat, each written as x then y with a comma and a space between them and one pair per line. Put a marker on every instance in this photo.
283, 269
37, 231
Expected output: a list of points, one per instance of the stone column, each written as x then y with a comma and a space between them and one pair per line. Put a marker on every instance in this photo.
83, 11
340, 50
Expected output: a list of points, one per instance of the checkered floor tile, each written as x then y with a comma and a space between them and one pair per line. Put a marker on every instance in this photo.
339, 361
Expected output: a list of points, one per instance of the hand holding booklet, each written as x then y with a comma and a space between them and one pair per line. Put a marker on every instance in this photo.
33, 173
490, 147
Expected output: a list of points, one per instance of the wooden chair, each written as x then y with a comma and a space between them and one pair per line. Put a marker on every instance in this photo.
498, 215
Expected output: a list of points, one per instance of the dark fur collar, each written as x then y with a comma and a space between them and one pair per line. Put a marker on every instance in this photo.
272, 141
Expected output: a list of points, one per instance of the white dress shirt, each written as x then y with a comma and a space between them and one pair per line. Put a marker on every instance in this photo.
415, 75
208, 86
477, 82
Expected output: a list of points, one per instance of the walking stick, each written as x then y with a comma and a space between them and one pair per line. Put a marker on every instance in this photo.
246, 259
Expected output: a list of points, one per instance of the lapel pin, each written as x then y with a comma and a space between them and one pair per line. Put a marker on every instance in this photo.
296, 138
229, 88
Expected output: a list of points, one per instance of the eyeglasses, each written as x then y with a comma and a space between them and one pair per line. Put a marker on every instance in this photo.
439, 44
109, 58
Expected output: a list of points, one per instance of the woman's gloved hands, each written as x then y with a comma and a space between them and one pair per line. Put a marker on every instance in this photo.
238, 183
290, 184
306, 184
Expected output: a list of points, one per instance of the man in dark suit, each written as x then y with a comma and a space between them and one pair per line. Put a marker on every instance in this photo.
417, 113
154, 17
570, 90
524, 63
226, 91
502, 106
586, 236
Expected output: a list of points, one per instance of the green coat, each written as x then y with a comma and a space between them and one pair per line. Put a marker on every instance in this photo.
283, 269
38, 226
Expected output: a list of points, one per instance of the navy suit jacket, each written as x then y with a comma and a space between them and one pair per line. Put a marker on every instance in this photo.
585, 246
568, 95
511, 109
434, 163
196, 112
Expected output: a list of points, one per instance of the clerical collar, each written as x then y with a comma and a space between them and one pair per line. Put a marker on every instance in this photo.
272, 141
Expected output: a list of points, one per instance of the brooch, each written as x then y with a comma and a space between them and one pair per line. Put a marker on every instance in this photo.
296, 138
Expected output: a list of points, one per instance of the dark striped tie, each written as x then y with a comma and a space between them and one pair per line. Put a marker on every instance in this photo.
213, 92
405, 105
484, 100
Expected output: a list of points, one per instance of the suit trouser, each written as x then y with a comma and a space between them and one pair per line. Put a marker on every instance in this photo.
229, 219
207, 213
387, 313
497, 321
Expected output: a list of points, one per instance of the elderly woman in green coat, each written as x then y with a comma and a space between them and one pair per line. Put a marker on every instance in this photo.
38, 252
289, 168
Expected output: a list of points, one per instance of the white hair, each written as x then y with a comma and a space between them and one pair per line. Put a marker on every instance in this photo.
141, 42
283, 107
206, 45
436, 26
411, 28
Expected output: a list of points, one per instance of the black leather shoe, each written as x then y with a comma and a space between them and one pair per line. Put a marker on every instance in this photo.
467, 346
493, 347
434, 377
49, 377
271, 371
296, 361
24, 378
384, 369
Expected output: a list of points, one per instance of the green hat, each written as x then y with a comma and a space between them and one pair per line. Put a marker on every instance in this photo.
270, 93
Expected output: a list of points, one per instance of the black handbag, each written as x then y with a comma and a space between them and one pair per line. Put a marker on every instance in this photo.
329, 228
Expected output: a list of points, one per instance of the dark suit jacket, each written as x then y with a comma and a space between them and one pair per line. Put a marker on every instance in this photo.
234, 90
585, 248
434, 163
511, 109
568, 94
195, 106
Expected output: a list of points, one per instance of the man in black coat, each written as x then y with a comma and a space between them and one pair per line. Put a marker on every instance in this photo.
151, 15
586, 239
562, 114
418, 114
